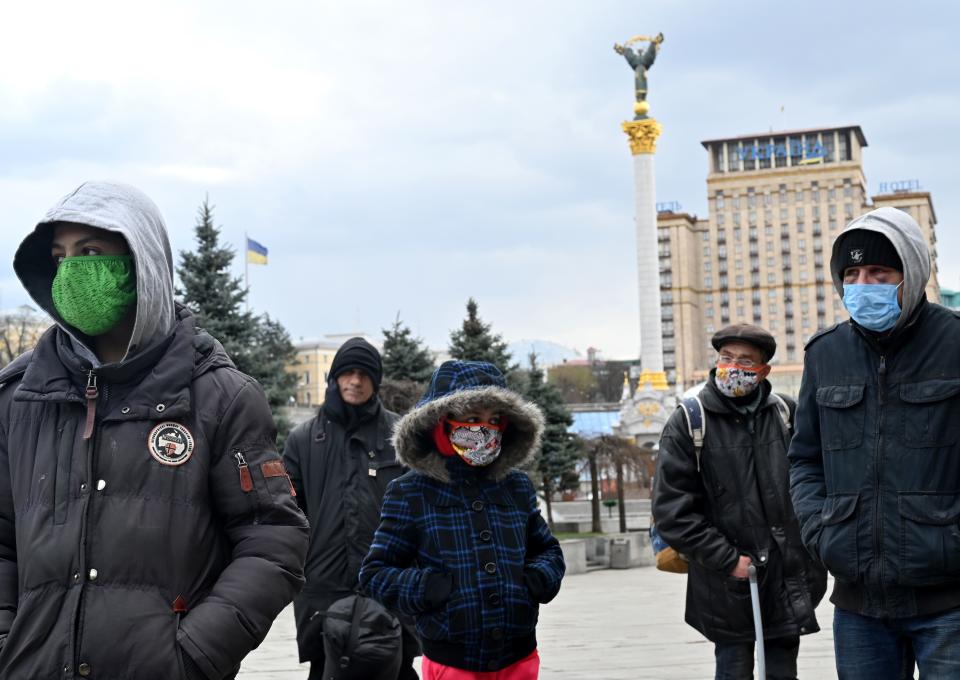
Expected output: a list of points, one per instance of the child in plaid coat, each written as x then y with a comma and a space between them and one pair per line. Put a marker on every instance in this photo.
461, 545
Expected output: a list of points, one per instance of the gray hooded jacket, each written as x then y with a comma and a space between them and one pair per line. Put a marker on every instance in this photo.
162, 545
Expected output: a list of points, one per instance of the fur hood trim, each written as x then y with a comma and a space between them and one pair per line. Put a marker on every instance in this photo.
413, 437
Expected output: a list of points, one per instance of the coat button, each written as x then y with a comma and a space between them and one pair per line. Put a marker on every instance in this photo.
494, 599
490, 568
763, 558
125, 410
84, 669
93, 575
371, 454
101, 485
478, 505
496, 633
76, 576
83, 488
486, 535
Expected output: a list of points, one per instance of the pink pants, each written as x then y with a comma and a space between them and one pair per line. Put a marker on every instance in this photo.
524, 669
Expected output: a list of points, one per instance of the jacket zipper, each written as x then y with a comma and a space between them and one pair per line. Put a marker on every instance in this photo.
90, 394
246, 482
878, 503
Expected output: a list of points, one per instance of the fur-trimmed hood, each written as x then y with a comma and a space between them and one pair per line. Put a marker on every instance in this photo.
413, 436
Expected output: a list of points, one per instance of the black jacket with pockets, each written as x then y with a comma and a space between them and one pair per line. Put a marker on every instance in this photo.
737, 503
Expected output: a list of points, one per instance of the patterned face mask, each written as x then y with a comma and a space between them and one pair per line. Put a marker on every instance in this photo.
734, 380
477, 444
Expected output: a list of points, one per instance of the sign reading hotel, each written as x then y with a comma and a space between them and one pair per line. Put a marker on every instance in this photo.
811, 151
899, 186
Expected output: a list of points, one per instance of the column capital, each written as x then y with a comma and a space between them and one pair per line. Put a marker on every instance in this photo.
643, 135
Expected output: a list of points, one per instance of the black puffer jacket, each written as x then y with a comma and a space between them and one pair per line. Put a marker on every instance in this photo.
737, 503
115, 564
340, 478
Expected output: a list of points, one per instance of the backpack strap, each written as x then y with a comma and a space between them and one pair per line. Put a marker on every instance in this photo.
786, 407
696, 423
351, 649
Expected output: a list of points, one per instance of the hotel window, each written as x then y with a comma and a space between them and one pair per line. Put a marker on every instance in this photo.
783, 193
767, 199
707, 265
723, 281
771, 277
710, 329
708, 298
788, 309
757, 312
770, 261
772, 294
737, 235
705, 235
741, 312
801, 259
774, 324
736, 219
800, 213
831, 194
708, 281
739, 279
733, 158
706, 251
741, 296
752, 217
847, 188
720, 202
783, 214
832, 210
769, 246
666, 280
801, 244
773, 309
755, 279
816, 212
751, 198
721, 219
753, 233
768, 230
844, 150
722, 251
736, 203
803, 275
848, 211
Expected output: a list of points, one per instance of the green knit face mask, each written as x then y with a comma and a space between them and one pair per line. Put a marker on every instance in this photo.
93, 292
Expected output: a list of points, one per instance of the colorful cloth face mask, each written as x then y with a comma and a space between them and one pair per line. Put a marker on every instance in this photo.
477, 444
92, 293
734, 380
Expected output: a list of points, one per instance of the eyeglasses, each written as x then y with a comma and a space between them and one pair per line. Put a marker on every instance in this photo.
746, 363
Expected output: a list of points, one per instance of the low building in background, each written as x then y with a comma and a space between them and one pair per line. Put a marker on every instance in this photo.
314, 357
20, 329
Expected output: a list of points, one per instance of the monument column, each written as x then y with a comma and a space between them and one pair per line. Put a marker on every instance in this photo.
643, 136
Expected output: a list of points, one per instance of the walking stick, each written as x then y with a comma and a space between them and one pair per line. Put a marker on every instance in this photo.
757, 622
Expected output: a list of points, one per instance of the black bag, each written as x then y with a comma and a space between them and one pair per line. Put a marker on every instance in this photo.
361, 640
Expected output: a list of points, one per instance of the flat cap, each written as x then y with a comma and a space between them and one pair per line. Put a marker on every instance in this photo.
745, 332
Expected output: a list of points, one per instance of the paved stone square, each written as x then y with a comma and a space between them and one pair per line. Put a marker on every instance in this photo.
605, 625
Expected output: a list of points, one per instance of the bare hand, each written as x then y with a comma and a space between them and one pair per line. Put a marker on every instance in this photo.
740, 571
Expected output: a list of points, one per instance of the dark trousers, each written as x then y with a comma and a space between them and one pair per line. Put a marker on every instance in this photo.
735, 660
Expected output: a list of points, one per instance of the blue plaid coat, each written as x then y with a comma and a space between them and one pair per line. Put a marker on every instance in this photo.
481, 540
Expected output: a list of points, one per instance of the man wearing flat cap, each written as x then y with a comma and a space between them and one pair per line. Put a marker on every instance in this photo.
725, 504
875, 464
340, 463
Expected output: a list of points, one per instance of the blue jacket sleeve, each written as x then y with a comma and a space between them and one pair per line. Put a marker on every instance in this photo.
543, 567
807, 487
388, 574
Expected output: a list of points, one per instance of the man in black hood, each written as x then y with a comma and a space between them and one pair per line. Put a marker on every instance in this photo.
340, 462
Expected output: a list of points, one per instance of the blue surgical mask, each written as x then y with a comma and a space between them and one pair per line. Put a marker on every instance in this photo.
872, 305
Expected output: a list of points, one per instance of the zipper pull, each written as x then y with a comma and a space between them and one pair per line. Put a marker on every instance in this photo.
882, 377
91, 394
246, 480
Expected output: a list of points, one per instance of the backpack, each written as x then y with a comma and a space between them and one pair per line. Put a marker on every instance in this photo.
361, 640
667, 558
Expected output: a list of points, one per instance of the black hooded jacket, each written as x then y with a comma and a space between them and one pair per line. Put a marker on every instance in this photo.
737, 503
340, 463
163, 545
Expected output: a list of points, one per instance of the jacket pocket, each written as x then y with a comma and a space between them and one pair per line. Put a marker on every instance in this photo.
931, 412
929, 538
842, 414
838, 537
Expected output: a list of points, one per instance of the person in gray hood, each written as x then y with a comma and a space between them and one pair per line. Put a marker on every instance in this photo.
875, 462
148, 528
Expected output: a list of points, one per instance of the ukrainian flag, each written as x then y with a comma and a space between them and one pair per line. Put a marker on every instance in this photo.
256, 253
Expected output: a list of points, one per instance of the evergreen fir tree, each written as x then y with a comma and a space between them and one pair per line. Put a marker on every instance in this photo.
213, 294
259, 346
475, 342
556, 463
404, 356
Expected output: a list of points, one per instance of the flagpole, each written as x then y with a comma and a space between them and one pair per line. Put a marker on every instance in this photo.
246, 268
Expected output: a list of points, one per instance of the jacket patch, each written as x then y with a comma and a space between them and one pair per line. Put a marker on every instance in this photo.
274, 468
170, 444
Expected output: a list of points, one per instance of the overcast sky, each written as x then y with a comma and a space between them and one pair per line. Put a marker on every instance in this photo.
404, 156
